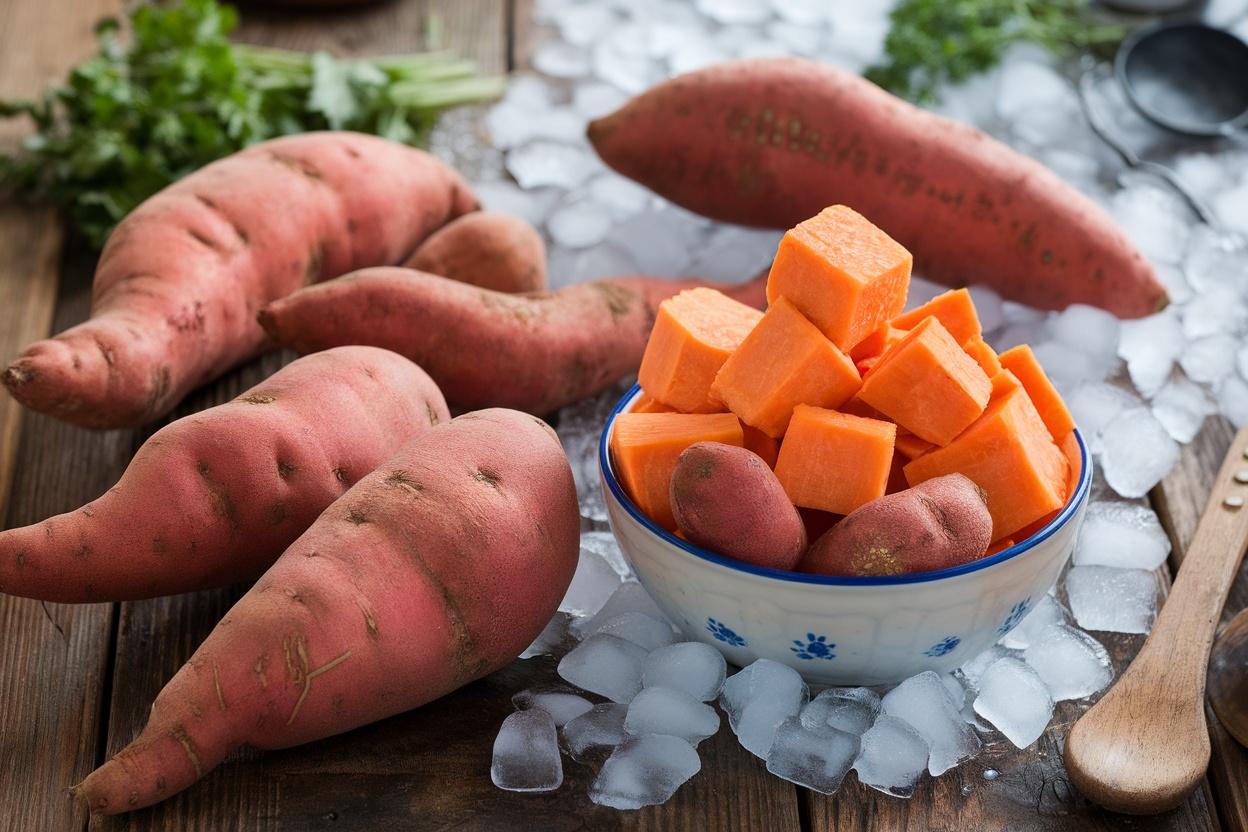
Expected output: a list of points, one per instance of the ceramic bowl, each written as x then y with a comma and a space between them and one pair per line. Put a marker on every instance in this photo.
838, 630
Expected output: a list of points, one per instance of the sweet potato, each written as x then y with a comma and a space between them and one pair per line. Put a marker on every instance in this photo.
436, 569
488, 249
215, 497
536, 351
772, 141
179, 282
937, 524
727, 500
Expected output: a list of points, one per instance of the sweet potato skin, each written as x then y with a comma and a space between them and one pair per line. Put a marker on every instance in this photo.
178, 283
215, 497
937, 524
436, 569
535, 351
487, 249
770, 142
727, 500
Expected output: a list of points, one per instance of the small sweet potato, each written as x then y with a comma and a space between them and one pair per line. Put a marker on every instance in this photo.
728, 501
772, 141
215, 497
937, 524
536, 351
179, 281
436, 569
495, 251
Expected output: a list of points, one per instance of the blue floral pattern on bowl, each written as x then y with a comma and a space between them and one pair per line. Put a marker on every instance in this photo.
1016, 615
724, 634
814, 647
943, 647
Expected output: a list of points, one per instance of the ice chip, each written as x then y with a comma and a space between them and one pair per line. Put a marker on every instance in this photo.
1071, 663
925, 702
1122, 534
602, 725
561, 705
1014, 698
760, 697
696, 668
1112, 600
815, 757
851, 710
664, 710
1136, 452
892, 756
606, 665
644, 771
526, 753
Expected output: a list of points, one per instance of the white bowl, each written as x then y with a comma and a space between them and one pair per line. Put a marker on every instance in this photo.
839, 630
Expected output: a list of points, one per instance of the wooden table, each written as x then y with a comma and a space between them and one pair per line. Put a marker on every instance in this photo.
76, 681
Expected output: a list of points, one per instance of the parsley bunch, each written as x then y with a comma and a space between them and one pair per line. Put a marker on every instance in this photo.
178, 93
934, 42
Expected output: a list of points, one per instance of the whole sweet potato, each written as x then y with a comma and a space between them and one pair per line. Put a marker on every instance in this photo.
179, 281
727, 500
215, 497
536, 351
772, 141
436, 569
495, 251
936, 524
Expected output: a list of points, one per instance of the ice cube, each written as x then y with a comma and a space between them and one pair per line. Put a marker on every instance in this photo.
735, 254
508, 198
696, 668
1094, 406
1065, 365
630, 596
593, 583
664, 710
1150, 346
1071, 663
585, 24
815, 757
655, 240
1046, 611
1036, 101
1014, 698
1216, 310
580, 224
606, 665
602, 725
1136, 452
644, 771
1217, 257
1153, 219
760, 697
594, 99
1091, 331
622, 197
1182, 407
1209, 359
925, 702
1233, 401
695, 53
561, 705
554, 639
562, 60
811, 13
974, 667
622, 60
851, 710
750, 12
1231, 207
892, 756
545, 163
1111, 599
1123, 534
640, 629
526, 753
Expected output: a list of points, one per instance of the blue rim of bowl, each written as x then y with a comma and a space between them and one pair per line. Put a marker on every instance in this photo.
1063, 517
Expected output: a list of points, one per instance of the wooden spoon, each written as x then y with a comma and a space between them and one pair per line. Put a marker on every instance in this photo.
1144, 747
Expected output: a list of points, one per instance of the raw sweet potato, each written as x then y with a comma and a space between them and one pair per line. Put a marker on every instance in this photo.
727, 500
536, 351
772, 141
215, 497
488, 249
436, 569
179, 281
937, 524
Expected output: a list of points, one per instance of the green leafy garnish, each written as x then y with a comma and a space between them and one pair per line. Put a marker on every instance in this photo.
936, 42
178, 93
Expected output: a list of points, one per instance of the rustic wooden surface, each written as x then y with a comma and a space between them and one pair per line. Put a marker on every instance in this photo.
76, 682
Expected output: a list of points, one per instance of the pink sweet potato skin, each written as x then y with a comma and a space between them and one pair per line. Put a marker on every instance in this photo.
215, 497
535, 351
940, 523
487, 249
438, 568
178, 283
727, 500
771, 142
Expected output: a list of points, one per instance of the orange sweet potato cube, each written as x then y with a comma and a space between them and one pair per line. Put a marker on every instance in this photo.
834, 461
843, 273
954, 309
1022, 362
783, 362
694, 333
1009, 453
985, 356
927, 384
644, 448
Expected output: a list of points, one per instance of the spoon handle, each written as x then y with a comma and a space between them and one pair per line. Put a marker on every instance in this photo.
1144, 747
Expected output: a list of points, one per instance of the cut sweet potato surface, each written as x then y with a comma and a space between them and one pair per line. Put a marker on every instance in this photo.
833, 461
